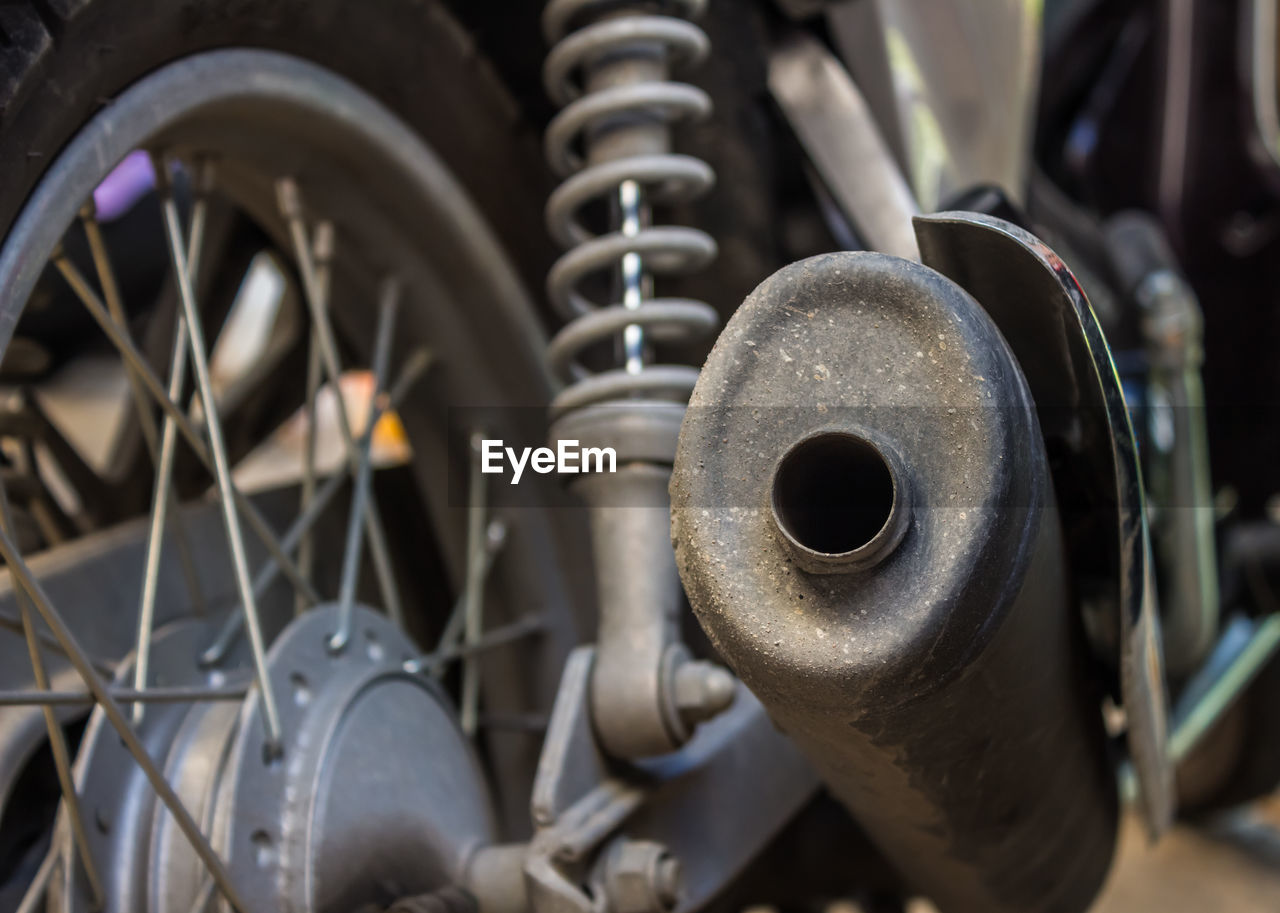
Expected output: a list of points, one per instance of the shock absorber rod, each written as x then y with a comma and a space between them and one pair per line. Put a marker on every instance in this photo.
631, 208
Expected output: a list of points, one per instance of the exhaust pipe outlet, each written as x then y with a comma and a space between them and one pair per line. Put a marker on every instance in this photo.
865, 525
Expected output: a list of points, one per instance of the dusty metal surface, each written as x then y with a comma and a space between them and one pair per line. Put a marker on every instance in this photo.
935, 691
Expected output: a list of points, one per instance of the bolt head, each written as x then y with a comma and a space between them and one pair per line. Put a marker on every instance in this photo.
641, 877
703, 690
669, 881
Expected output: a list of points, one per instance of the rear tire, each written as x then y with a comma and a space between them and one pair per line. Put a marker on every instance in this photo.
62, 60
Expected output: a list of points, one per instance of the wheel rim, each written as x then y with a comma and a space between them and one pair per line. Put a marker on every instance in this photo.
260, 116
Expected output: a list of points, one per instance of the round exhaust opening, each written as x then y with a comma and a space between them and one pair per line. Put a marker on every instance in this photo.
839, 502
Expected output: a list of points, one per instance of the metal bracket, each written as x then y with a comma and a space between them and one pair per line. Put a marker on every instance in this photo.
581, 801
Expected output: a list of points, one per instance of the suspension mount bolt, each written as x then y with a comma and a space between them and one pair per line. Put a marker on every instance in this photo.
641, 876
702, 690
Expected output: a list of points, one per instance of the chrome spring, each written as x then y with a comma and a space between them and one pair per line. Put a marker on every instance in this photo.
608, 68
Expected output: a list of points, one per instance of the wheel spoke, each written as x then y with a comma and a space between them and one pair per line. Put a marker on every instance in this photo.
389, 301
160, 498
291, 208
33, 899
413, 369
146, 420
46, 640
124, 345
221, 466
115, 716
217, 651
162, 495
451, 636
153, 695
115, 307
57, 738
435, 662
324, 243
27, 420
473, 595
201, 902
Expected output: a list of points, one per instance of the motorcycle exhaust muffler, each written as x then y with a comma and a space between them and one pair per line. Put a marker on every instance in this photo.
865, 525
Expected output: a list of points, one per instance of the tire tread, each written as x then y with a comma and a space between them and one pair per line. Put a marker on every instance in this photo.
25, 40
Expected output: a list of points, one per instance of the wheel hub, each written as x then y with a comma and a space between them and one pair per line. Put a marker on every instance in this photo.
376, 793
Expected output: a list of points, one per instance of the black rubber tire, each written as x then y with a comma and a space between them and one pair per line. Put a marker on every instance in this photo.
62, 60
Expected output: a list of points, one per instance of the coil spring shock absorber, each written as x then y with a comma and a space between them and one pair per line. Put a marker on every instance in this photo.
609, 67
